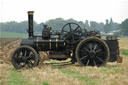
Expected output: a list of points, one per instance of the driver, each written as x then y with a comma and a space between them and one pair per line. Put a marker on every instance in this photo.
46, 32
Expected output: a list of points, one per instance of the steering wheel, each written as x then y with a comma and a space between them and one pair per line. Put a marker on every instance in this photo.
71, 33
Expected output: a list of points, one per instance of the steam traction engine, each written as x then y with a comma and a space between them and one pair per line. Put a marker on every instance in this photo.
85, 47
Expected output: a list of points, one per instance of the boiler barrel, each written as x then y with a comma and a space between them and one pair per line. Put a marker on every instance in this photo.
49, 45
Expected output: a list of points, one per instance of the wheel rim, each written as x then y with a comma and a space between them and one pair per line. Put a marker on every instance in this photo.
24, 57
92, 53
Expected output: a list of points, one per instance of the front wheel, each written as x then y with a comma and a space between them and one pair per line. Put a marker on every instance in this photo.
24, 56
92, 51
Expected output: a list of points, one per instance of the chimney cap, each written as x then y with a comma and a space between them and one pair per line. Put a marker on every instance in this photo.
30, 12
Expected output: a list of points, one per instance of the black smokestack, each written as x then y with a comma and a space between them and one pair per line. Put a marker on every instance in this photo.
30, 23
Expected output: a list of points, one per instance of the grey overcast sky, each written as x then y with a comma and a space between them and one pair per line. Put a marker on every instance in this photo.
81, 10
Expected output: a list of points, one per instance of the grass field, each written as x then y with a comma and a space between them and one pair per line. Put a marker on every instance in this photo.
12, 35
65, 73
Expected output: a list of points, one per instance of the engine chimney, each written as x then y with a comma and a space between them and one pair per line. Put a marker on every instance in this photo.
30, 23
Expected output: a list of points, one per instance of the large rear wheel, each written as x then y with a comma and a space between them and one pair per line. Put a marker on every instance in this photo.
92, 51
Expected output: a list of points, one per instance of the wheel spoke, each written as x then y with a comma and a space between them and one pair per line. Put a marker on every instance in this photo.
65, 31
75, 29
99, 59
68, 35
84, 57
95, 46
87, 62
17, 58
28, 53
99, 46
76, 34
94, 62
98, 50
100, 54
25, 53
31, 57
70, 27
86, 49
30, 64
73, 38
90, 46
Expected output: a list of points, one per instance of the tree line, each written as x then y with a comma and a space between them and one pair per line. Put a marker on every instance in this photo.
108, 27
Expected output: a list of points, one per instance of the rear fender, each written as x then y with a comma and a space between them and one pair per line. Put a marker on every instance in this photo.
113, 45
